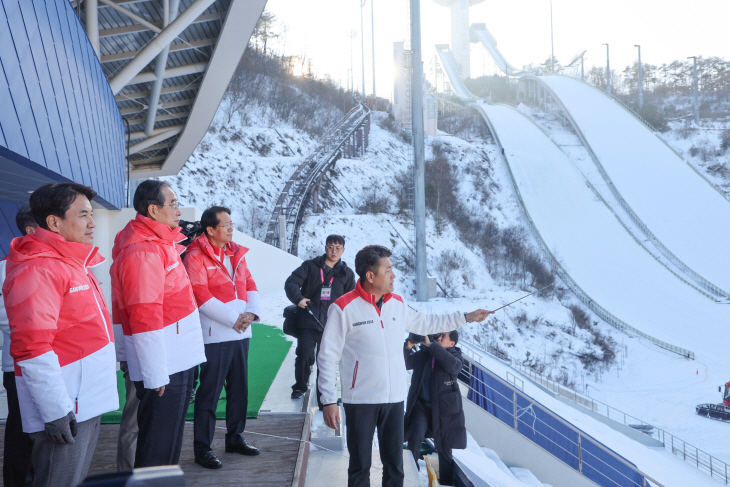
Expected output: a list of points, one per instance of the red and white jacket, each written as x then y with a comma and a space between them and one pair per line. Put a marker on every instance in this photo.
61, 335
221, 299
154, 304
368, 343
8, 365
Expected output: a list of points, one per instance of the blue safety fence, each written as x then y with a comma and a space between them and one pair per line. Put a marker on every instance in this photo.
552, 433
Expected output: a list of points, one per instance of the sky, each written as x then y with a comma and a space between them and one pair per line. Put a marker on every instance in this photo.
666, 30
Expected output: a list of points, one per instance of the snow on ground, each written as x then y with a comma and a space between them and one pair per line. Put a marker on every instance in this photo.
701, 147
252, 163
660, 464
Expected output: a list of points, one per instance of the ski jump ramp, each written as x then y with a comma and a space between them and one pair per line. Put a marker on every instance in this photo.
592, 248
681, 211
668, 199
479, 33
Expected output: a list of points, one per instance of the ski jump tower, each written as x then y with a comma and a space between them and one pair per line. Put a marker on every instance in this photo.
460, 31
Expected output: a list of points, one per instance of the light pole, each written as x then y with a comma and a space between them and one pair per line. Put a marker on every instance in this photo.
608, 71
418, 153
552, 47
353, 33
362, 46
696, 90
372, 28
641, 86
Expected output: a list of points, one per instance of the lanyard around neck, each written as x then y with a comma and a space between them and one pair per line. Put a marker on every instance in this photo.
321, 274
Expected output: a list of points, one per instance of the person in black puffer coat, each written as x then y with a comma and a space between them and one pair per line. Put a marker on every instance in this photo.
434, 405
314, 286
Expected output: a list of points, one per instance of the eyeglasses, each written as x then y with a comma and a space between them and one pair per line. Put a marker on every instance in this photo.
226, 225
332, 247
174, 205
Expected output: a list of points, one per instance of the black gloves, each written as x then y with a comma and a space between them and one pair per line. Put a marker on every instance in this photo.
62, 430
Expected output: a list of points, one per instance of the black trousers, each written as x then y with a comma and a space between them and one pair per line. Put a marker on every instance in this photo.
308, 343
227, 363
361, 421
421, 423
18, 445
161, 420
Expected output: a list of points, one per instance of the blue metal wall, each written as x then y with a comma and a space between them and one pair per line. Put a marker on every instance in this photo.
58, 115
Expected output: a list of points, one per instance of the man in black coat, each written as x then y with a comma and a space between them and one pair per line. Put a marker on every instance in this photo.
314, 286
434, 400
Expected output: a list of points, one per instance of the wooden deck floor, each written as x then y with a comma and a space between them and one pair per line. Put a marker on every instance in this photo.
274, 467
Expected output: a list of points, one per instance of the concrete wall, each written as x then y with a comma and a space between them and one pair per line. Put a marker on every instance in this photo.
517, 451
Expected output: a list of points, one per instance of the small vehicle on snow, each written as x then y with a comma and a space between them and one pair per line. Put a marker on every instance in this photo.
719, 412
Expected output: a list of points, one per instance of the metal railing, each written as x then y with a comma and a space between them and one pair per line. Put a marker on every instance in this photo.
702, 460
296, 191
549, 431
714, 289
563, 274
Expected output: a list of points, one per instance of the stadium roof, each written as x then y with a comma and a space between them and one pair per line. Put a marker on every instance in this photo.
169, 63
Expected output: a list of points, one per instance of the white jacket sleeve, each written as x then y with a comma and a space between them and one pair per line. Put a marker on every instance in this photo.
330, 352
220, 312
427, 324
253, 303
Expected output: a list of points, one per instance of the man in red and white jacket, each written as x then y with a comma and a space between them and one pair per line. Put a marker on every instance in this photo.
17, 444
61, 335
229, 302
364, 333
160, 321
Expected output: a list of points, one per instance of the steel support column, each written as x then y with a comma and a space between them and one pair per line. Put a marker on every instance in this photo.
156, 45
418, 153
171, 11
92, 24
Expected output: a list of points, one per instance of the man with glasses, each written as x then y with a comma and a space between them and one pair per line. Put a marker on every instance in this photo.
314, 286
153, 302
229, 303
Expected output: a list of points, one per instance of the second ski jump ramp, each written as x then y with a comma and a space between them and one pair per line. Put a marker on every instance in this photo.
679, 207
590, 244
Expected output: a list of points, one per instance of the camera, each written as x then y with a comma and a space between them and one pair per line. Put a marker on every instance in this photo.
191, 230
412, 337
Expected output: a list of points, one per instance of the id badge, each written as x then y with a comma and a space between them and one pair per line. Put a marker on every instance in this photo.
326, 293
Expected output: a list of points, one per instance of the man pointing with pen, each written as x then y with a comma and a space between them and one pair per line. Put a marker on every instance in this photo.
364, 333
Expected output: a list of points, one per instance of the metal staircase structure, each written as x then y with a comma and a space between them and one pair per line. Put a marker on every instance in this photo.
347, 138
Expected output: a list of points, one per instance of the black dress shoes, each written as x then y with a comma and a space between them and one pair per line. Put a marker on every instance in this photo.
208, 460
297, 394
243, 448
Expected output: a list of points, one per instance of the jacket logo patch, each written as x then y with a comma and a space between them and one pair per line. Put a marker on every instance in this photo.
212, 267
78, 288
368, 322
173, 266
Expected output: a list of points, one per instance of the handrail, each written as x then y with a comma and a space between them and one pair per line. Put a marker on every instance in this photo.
702, 460
327, 160
716, 290
582, 295
518, 415
297, 188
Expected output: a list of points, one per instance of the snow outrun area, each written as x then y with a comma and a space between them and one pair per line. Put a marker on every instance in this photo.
483, 254
677, 205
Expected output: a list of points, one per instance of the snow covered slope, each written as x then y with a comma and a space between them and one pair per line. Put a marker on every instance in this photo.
680, 208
